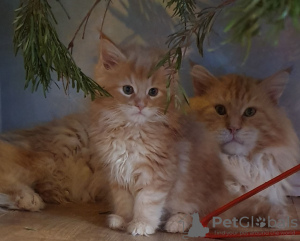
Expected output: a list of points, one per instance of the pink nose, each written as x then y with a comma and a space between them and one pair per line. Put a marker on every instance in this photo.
233, 129
140, 106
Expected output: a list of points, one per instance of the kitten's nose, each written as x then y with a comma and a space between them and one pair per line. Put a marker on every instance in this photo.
140, 105
233, 129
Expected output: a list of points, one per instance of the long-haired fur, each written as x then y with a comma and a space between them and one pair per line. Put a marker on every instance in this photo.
257, 139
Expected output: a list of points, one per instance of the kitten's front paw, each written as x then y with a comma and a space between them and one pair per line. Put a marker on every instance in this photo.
140, 228
178, 223
29, 201
116, 222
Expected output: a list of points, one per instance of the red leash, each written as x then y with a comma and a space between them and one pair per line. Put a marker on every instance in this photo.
234, 202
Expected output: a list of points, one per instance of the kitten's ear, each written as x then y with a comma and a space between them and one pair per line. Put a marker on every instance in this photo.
274, 85
202, 79
110, 55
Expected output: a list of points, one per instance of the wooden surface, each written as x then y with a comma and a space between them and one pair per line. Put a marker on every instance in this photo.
74, 222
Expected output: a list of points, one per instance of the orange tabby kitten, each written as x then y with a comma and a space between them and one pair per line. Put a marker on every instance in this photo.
49, 163
155, 161
257, 140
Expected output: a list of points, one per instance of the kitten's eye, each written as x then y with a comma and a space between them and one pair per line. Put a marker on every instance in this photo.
249, 112
153, 92
221, 110
128, 89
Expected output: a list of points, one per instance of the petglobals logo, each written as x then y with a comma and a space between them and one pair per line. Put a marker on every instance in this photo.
246, 222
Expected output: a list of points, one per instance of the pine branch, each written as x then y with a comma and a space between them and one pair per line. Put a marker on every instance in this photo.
63, 7
84, 21
104, 15
248, 18
43, 53
191, 25
183, 9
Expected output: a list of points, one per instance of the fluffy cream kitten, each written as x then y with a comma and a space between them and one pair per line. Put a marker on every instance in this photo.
257, 140
156, 162
49, 163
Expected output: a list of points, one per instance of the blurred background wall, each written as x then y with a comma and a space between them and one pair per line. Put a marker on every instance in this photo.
143, 21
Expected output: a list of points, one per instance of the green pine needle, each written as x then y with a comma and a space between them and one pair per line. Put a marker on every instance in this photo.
183, 9
249, 16
43, 53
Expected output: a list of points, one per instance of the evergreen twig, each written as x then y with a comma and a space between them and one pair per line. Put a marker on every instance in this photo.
84, 21
248, 18
63, 7
104, 15
43, 53
191, 24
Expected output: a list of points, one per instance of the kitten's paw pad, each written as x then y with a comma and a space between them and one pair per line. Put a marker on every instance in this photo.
140, 228
178, 223
29, 201
116, 222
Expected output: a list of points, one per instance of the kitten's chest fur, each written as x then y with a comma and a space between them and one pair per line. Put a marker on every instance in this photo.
124, 150
133, 152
